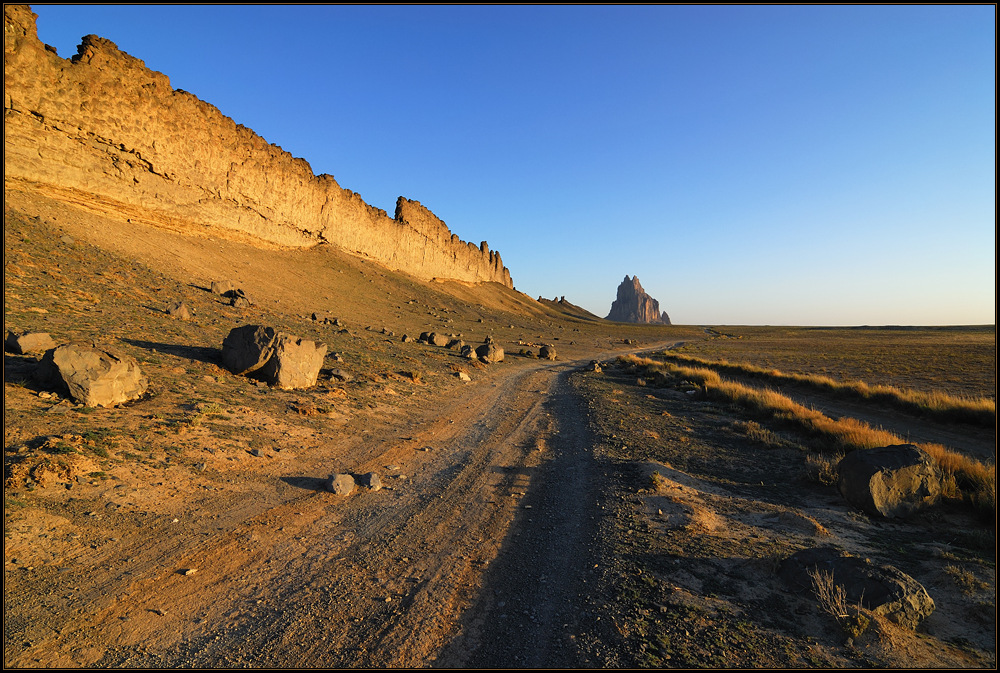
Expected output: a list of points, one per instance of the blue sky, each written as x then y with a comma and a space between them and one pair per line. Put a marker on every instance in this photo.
809, 165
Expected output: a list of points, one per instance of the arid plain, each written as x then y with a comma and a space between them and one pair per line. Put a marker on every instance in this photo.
519, 524
631, 502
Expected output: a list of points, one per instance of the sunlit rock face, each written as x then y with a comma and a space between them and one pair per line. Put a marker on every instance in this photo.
634, 305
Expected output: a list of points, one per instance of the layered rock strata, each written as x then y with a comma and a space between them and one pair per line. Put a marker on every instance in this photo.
103, 131
634, 305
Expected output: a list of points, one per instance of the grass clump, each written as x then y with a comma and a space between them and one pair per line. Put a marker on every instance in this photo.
975, 411
974, 481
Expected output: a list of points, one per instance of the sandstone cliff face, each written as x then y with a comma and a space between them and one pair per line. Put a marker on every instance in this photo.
634, 305
102, 130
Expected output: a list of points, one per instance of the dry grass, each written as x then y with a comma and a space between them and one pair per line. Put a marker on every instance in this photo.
976, 411
974, 481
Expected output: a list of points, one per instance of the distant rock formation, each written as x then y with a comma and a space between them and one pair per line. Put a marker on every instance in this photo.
104, 132
634, 305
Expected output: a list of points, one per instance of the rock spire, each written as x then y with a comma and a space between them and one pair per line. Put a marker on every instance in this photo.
634, 305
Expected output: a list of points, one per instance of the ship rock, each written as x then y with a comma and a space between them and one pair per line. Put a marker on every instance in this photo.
634, 305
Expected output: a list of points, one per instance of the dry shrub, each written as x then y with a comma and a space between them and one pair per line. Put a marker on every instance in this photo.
853, 619
973, 480
976, 410
822, 468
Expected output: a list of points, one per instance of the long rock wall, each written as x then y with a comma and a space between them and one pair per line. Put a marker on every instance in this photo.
102, 125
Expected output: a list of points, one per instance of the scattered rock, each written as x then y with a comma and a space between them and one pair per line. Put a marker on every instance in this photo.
407, 339
240, 299
93, 377
462, 376
436, 339
594, 366
890, 481
455, 343
179, 310
370, 481
28, 342
468, 352
189, 571
547, 353
490, 353
341, 484
884, 590
223, 287
341, 375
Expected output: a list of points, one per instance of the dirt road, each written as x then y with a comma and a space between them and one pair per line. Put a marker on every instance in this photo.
475, 553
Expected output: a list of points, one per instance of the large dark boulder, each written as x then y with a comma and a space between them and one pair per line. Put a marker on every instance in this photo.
884, 590
890, 481
282, 360
93, 377
246, 349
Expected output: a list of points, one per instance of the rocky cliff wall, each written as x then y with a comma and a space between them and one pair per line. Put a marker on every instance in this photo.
102, 125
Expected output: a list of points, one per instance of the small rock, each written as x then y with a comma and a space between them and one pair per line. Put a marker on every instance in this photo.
370, 481
190, 571
462, 376
341, 484
179, 310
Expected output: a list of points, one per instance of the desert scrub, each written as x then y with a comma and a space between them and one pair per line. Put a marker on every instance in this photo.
942, 406
975, 480
967, 582
833, 601
755, 432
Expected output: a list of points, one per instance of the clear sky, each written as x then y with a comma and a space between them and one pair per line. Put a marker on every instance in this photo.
798, 165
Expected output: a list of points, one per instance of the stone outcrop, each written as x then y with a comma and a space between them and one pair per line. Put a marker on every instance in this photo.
103, 131
634, 305
883, 589
93, 377
890, 481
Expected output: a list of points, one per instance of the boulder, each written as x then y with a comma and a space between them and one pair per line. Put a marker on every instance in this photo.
547, 353
490, 353
294, 362
29, 342
890, 481
93, 377
280, 359
468, 352
884, 590
246, 349
223, 287
455, 343
594, 366
436, 339
240, 299
179, 310
406, 339
341, 484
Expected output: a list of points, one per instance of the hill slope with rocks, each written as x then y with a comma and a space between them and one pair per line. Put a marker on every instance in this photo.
634, 305
103, 131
